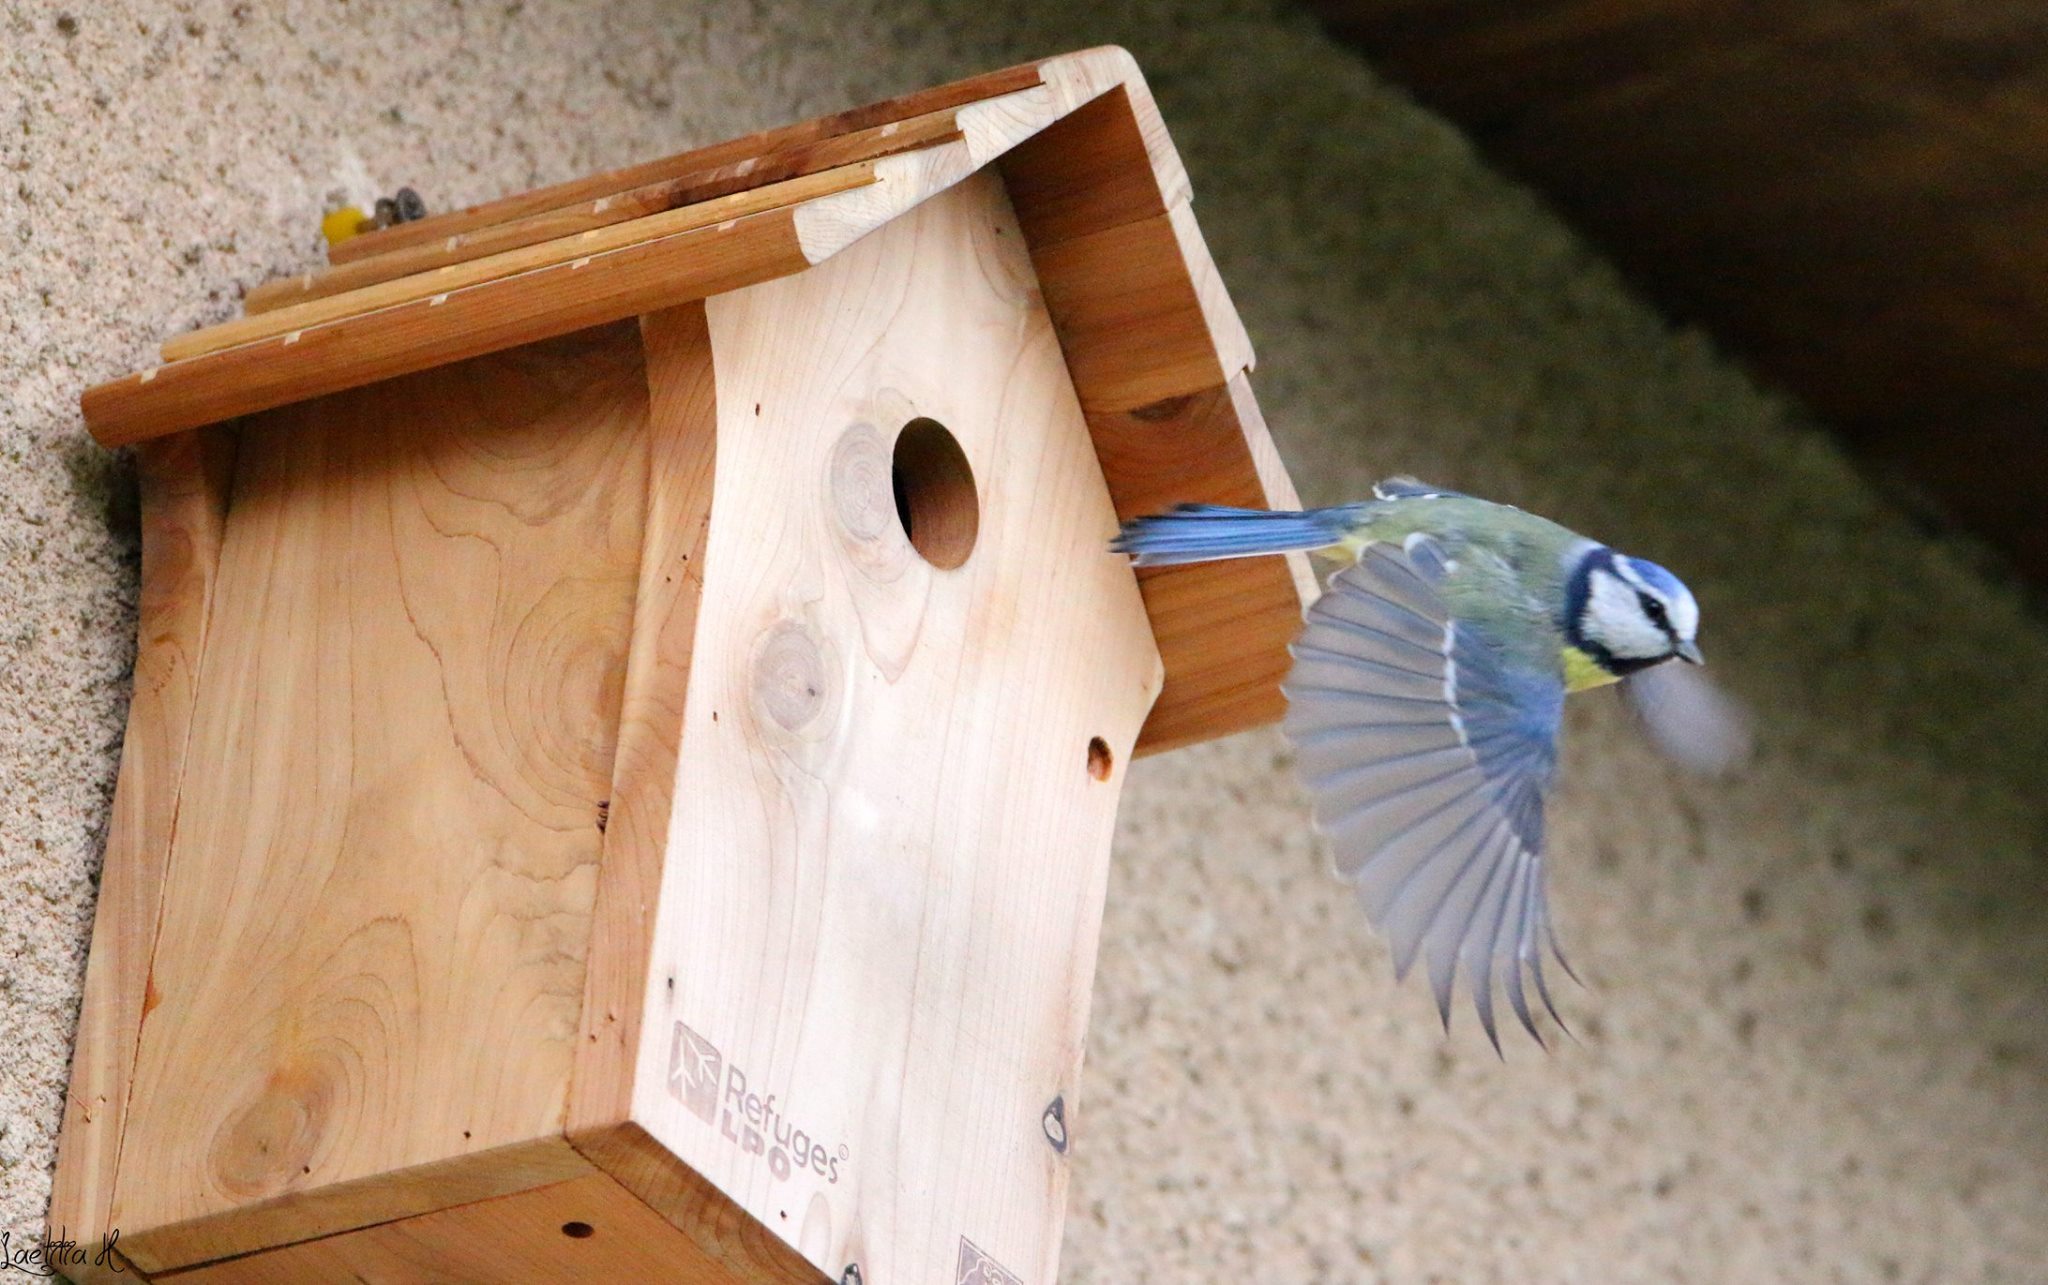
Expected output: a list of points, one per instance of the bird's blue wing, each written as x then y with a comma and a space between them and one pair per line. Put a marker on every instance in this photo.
1428, 753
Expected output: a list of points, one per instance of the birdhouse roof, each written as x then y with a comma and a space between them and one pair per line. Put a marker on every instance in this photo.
1157, 353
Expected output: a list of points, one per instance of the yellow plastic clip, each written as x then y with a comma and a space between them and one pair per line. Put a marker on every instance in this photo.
339, 225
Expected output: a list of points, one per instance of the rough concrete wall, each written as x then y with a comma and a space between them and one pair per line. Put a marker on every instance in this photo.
1814, 1042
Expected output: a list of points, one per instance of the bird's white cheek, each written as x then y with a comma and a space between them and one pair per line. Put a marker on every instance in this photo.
1616, 621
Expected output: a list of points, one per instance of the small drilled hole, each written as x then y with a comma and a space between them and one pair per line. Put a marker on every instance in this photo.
1100, 760
934, 488
578, 1231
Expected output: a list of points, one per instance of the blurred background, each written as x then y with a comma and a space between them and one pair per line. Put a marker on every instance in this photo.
1754, 290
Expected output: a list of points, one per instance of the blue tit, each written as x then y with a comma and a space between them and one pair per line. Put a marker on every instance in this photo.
1425, 700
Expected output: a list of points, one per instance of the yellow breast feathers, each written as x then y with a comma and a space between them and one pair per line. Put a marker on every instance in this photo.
1582, 671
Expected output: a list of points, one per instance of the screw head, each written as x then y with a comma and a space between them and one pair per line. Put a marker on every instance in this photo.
1054, 1122
851, 1276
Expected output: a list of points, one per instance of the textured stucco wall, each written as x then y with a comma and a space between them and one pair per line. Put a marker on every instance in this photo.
1814, 1043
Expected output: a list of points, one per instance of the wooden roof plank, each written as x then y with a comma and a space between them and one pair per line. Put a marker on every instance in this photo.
1160, 362
989, 126
653, 198
457, 276
336, 346
440, 226
503, 313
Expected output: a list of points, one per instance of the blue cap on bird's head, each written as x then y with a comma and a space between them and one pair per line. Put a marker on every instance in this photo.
1628, 614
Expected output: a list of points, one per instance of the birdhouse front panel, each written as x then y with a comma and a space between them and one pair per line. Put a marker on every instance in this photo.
915, 685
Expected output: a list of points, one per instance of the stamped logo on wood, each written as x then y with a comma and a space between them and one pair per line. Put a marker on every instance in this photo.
694, 1073
715, 1091
977, 1268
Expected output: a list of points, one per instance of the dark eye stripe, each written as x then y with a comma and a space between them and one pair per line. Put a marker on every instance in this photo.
1655, 611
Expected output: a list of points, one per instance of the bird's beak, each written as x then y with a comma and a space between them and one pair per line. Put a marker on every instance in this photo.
1689, 652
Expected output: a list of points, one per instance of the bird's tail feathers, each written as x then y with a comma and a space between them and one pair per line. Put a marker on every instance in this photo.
1206, 532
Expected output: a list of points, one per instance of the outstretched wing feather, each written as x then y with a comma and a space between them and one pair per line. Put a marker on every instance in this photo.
1428, 754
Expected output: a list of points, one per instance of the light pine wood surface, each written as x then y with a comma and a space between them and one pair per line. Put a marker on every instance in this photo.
469, 272
718, 1229
587, 1228
533, 291
875, 909
730, 153
184, 484
1223, 628
379, 896
726, 183
682, 441
352, 351
589, 707
255, 1230
1161, 363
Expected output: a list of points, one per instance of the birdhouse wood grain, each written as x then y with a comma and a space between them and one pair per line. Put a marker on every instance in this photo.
631, 701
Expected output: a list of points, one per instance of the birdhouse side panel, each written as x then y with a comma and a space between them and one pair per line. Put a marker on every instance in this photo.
918, 675
184, 484
681, 440
379, 894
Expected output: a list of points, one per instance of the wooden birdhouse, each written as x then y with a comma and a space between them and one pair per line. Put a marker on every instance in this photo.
631, 701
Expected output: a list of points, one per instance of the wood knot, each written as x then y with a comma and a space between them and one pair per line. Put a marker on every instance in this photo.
794, 683
862, 494
860, 483
267, 1146
1162, 410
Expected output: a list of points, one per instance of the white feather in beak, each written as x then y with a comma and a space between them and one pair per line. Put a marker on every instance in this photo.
1690, 719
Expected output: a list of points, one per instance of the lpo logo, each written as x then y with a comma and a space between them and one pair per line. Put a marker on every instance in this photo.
715, 1090
977, 1268
695, 1070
